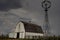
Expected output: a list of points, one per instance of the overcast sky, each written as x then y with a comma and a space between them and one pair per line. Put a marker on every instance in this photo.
11, 12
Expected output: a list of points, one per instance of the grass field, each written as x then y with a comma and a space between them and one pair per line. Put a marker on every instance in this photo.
41, 38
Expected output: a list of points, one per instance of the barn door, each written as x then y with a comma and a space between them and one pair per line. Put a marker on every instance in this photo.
18, 35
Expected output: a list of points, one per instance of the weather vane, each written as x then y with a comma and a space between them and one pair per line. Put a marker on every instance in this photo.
46, 5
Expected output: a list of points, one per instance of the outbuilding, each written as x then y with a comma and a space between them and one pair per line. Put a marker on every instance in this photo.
26, 30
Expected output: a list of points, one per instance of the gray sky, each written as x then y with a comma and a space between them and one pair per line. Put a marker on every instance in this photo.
32, 10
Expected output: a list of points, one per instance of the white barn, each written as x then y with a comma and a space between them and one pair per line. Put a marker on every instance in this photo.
26, 30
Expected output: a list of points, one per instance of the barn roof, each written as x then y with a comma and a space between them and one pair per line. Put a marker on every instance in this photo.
29, 27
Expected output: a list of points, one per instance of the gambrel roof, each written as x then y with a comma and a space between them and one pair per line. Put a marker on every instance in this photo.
29, 27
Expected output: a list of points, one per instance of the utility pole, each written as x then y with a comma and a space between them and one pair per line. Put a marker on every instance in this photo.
46, 5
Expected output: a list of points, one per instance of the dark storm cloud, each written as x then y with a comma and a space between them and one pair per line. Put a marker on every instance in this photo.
37, 16
7, 20
53, 13
9, 4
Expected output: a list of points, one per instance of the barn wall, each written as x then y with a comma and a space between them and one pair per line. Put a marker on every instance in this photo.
33, 35
20, 29
12, 35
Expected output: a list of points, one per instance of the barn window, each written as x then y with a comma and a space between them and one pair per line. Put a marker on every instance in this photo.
26, 36
33, 37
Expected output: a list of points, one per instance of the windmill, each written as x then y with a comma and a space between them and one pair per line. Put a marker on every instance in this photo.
46, 5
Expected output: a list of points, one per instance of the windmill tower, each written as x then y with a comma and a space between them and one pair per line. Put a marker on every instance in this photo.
46, 5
